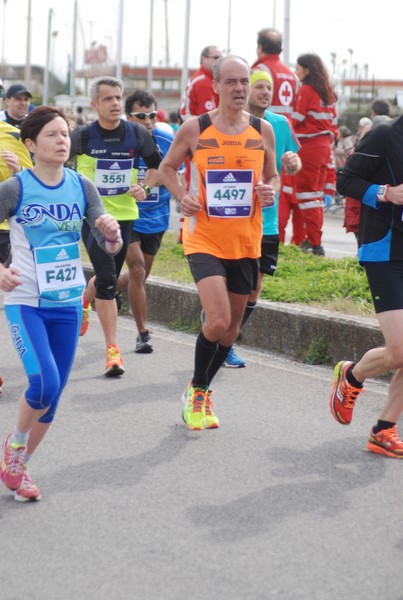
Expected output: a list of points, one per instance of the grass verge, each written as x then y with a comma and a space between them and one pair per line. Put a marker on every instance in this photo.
334, 284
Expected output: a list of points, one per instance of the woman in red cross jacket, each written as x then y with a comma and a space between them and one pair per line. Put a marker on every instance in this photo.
314, 120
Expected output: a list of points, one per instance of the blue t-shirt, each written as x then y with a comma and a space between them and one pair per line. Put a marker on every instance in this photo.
285, 141
154, 210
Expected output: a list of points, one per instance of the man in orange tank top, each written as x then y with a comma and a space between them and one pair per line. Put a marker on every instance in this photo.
234, 155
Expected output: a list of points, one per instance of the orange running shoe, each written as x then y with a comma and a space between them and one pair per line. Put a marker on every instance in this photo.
114, 362
344, 395
85, 320
212, 421
386, 442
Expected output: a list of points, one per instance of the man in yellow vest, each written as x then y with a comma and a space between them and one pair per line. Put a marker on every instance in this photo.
13, 157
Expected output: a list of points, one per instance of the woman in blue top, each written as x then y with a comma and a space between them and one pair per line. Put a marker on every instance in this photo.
45, 207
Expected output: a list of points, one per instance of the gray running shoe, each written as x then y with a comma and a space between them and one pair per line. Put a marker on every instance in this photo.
143, 343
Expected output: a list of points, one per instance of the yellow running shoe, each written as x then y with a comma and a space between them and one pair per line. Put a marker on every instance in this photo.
194, 413
212, 421
85, 320
114, 362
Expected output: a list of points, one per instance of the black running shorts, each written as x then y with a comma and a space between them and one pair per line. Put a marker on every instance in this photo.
241, 275
385, 280
269, 249
149, 242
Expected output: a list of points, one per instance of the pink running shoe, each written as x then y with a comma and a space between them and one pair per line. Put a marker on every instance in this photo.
12, 464
28, 491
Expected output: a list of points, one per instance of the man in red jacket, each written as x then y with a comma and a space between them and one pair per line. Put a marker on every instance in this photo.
199, 96
269, 48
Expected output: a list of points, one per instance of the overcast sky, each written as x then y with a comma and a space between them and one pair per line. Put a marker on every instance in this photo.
347, 28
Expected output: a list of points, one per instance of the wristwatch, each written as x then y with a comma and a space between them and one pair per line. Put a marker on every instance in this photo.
380, 195
146, 188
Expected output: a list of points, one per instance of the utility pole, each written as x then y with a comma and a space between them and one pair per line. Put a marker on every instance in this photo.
3, 58
27, 72
74, 53
150, 49
185, 70
45, 99
119, 41
229, 28
286, 32
167, 57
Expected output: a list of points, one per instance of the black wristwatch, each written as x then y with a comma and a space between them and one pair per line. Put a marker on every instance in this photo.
146, 188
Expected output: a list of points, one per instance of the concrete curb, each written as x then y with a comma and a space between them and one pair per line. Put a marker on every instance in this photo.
288, 329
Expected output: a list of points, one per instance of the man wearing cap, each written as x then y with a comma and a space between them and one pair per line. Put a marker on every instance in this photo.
17, 101
286, 144
13, 157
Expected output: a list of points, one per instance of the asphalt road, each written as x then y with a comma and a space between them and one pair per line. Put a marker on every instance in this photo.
281, 502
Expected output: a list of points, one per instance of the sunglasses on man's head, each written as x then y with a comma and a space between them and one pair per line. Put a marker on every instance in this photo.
142, 116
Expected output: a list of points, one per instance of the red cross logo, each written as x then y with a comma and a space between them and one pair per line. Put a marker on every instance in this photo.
285, 93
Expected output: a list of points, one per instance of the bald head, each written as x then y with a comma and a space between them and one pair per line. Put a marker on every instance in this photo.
228, 62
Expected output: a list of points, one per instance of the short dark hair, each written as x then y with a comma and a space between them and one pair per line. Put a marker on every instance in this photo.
36, 120
206, 52
380, 106
271, 40
141, 97
173, 116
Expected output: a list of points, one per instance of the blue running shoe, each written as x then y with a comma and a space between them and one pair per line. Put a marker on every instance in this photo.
233, 361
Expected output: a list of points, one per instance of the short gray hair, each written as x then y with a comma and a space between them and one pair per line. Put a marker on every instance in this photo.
221, 60
95, 85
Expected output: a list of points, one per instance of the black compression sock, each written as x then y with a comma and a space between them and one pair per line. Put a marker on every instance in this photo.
383, 425
351, 379
250, 307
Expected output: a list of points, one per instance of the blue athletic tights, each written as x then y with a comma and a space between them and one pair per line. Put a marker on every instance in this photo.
46, 341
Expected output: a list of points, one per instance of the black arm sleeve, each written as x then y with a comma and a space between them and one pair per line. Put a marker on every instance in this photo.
148, 147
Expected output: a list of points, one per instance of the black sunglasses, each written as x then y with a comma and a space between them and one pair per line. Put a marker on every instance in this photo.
143, 116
